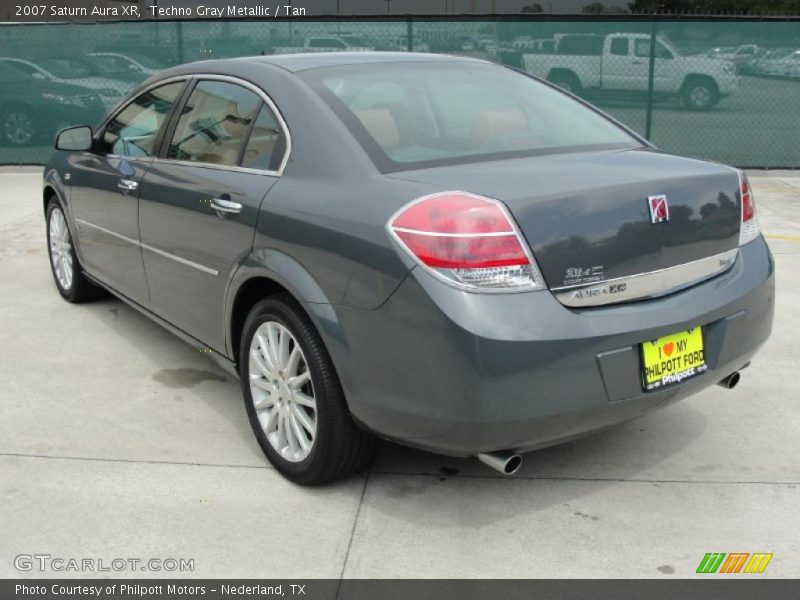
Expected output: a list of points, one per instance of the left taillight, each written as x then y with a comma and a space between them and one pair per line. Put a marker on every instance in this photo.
749, 229
466, 240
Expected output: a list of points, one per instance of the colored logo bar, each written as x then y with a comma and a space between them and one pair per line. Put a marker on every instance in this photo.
734, 562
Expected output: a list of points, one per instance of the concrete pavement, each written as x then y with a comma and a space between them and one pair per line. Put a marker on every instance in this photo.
118, 440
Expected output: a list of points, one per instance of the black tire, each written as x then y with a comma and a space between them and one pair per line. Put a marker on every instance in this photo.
566, 81
80, 289
18, 126
700, 93
340, 447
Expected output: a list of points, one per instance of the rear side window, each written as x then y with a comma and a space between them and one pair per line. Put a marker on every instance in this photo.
619, 46
266, 145
133, 130
421, 114
215, 124
581, 45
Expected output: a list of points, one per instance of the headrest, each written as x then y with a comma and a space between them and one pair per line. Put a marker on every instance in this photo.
381, 125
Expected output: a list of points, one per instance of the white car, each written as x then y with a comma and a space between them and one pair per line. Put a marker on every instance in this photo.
124, 62
64, 70
784, 66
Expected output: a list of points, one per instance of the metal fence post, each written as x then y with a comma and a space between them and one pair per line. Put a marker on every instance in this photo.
650, 80
179, 25
409, 34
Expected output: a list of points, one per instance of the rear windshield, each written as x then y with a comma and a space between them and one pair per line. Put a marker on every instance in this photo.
414, 115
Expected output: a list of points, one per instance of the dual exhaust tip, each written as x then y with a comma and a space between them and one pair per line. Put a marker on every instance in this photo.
509, 463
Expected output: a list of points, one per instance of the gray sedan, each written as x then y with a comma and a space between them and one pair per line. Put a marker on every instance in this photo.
434, 250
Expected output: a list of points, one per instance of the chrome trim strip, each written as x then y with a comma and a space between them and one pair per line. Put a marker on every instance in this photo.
456, 235
645, 285
210, 76
125, 238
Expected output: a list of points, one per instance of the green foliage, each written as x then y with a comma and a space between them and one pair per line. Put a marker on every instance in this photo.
733, 7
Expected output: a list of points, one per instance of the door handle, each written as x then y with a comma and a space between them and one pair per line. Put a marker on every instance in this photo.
637, 62
225, 206
127, 184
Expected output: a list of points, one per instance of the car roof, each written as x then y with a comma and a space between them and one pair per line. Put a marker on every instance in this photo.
316, 60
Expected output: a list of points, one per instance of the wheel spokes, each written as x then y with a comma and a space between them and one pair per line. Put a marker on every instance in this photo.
281, 388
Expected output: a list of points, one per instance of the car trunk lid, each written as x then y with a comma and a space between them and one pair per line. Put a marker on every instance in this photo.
587, 216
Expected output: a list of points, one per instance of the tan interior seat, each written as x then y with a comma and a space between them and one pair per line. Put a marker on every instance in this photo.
495, 122
381, 125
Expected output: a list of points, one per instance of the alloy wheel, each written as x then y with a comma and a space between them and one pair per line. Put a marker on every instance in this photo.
61, 249
18, 127
282, 391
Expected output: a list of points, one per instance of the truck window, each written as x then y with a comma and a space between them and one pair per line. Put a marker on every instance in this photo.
619, 46
642, 49
581, 45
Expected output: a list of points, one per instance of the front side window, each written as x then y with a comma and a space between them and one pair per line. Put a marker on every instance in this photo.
215, 124
133, 131
413, 115
642, 49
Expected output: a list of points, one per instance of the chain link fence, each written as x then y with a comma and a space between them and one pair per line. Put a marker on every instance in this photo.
721, 89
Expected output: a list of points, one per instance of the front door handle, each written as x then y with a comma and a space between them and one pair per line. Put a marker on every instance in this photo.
127, 184
225, 206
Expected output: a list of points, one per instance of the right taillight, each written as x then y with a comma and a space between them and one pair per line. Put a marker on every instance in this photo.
749, 229
466, 240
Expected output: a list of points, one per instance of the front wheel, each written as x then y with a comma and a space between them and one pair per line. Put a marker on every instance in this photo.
18, 126
72, 284
293, 397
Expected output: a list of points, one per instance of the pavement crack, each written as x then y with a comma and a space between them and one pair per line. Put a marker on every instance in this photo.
353, 532
136, 461
592, 479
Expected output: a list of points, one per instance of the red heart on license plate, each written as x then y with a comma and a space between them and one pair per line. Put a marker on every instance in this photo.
668, 348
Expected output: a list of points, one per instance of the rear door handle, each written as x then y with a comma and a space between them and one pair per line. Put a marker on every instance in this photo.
226, 206
127, 184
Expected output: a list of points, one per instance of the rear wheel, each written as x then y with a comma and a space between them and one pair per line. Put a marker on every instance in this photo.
72, 284
566, 81
700, 93
293, 397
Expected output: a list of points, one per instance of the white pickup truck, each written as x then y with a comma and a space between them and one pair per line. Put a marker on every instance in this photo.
620, 63
331, 43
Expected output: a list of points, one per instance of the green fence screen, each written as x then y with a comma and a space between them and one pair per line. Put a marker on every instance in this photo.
726, 90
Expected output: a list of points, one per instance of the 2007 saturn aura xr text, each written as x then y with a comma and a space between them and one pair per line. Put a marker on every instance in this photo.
439, 251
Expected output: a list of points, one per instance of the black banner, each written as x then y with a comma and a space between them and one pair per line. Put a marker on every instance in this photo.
713, 588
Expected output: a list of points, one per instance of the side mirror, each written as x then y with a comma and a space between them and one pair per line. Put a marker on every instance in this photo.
77, 138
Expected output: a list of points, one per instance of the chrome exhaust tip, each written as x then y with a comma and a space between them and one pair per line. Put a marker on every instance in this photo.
506, 463
730, 381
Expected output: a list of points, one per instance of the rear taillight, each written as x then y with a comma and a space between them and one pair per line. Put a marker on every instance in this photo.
749, 229
467, 240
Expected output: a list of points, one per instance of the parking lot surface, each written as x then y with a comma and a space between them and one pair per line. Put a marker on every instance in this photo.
119, 440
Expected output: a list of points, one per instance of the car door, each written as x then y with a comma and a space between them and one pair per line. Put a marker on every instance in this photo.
200, 200
105, 189
617, 67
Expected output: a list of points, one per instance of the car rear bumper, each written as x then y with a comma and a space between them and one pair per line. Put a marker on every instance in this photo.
460, 373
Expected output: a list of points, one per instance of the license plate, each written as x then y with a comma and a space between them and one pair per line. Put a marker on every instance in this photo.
673, 358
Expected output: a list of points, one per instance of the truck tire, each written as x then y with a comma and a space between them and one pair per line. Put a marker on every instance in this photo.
18, 125
567, 81
700, 93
